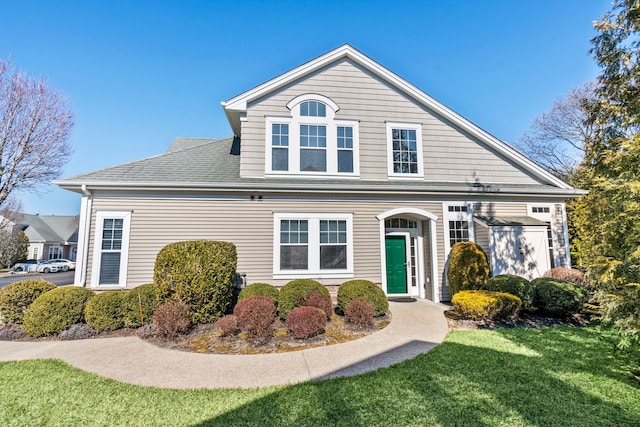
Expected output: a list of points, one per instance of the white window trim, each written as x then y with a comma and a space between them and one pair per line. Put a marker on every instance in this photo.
411, 126
97, 247
313, 270
456, 216
330, 122
549, 217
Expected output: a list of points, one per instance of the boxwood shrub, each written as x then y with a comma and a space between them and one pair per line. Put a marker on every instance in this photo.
294, 293
514, 285
558, 298
56, 310
145, 295
468, 267
485, 305
259, 290
18, 296
105, 311
200, 273
348, 291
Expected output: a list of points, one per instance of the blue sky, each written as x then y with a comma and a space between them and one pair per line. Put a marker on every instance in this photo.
140, 73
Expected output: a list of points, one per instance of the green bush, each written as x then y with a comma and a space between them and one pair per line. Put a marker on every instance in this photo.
18, 296
348, 291
105, 311
259, 290
468, 267
558, 298
486, 305
294, 293
145, 294
200, 273
514, 285
56, 310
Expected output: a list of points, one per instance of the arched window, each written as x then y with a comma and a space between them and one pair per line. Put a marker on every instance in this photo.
312, 141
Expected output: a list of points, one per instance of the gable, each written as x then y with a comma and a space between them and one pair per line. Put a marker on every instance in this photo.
450, 153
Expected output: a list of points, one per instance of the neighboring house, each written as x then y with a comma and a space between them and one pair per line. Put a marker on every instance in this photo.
50, 236
338, 169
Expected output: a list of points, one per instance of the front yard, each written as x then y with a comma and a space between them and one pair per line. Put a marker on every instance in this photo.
554, 376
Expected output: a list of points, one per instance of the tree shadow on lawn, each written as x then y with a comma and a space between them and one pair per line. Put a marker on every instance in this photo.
548, 377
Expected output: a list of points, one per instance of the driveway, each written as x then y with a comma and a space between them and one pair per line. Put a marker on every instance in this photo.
62, 278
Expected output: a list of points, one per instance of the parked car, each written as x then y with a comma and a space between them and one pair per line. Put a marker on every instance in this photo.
27, 265
62, 264
48, 267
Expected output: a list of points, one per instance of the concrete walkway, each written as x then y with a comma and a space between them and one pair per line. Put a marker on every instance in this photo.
416, 327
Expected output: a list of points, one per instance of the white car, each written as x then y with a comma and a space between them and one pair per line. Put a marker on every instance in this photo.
48, 267
61, 264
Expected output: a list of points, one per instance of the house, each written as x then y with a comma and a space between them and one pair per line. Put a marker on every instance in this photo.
337, 169
50, 236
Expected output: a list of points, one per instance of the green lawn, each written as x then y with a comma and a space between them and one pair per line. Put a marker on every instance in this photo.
560, 376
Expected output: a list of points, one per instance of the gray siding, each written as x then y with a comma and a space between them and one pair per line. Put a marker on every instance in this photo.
482, 238
449, 154
498, 209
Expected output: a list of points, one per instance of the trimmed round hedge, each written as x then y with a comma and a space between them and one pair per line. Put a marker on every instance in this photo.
259, 290
348, 291
147, 297
105, 311
514, 285
56, 310
200, 273
468, 267
487, 305
294, 293
306, 322
18, 296
558, 298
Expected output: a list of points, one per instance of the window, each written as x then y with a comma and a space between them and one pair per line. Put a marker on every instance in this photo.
400, 223
405, 150
458, 224
55, 252
313, 245
543, 213
35, 252
280, 144
111, 249
312, 141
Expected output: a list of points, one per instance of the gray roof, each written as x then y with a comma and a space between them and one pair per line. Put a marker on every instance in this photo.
505, 221
50, 228
214, 165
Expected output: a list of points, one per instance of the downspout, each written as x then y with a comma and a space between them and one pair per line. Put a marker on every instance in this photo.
87, 208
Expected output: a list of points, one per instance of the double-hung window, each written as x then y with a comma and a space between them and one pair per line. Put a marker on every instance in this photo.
111, 249
404, 148
458, 224
312, 141
313, 245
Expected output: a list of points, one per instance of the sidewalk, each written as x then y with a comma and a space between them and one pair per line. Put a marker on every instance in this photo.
416, 327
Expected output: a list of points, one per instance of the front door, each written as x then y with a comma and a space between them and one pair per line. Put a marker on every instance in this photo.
396, 257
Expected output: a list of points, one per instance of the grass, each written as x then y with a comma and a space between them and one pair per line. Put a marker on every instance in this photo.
512, 377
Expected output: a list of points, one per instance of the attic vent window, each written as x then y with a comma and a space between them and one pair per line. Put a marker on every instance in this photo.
313, 109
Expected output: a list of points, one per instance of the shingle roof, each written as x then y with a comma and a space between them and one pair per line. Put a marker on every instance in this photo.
50, 228
506, 221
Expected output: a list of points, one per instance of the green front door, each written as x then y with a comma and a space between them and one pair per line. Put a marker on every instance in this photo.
396, 257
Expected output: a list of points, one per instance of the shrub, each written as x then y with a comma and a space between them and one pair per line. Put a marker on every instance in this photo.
260, 290
360, 312
56, 310
318, 300
487, 305
79, 331
172, 318
468, 267
514, 285
18, 296
256, 315
305, 322
227, 324
105, 311
294, 293
147, 297
567, 274
201, 273
353, 289
558, 298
